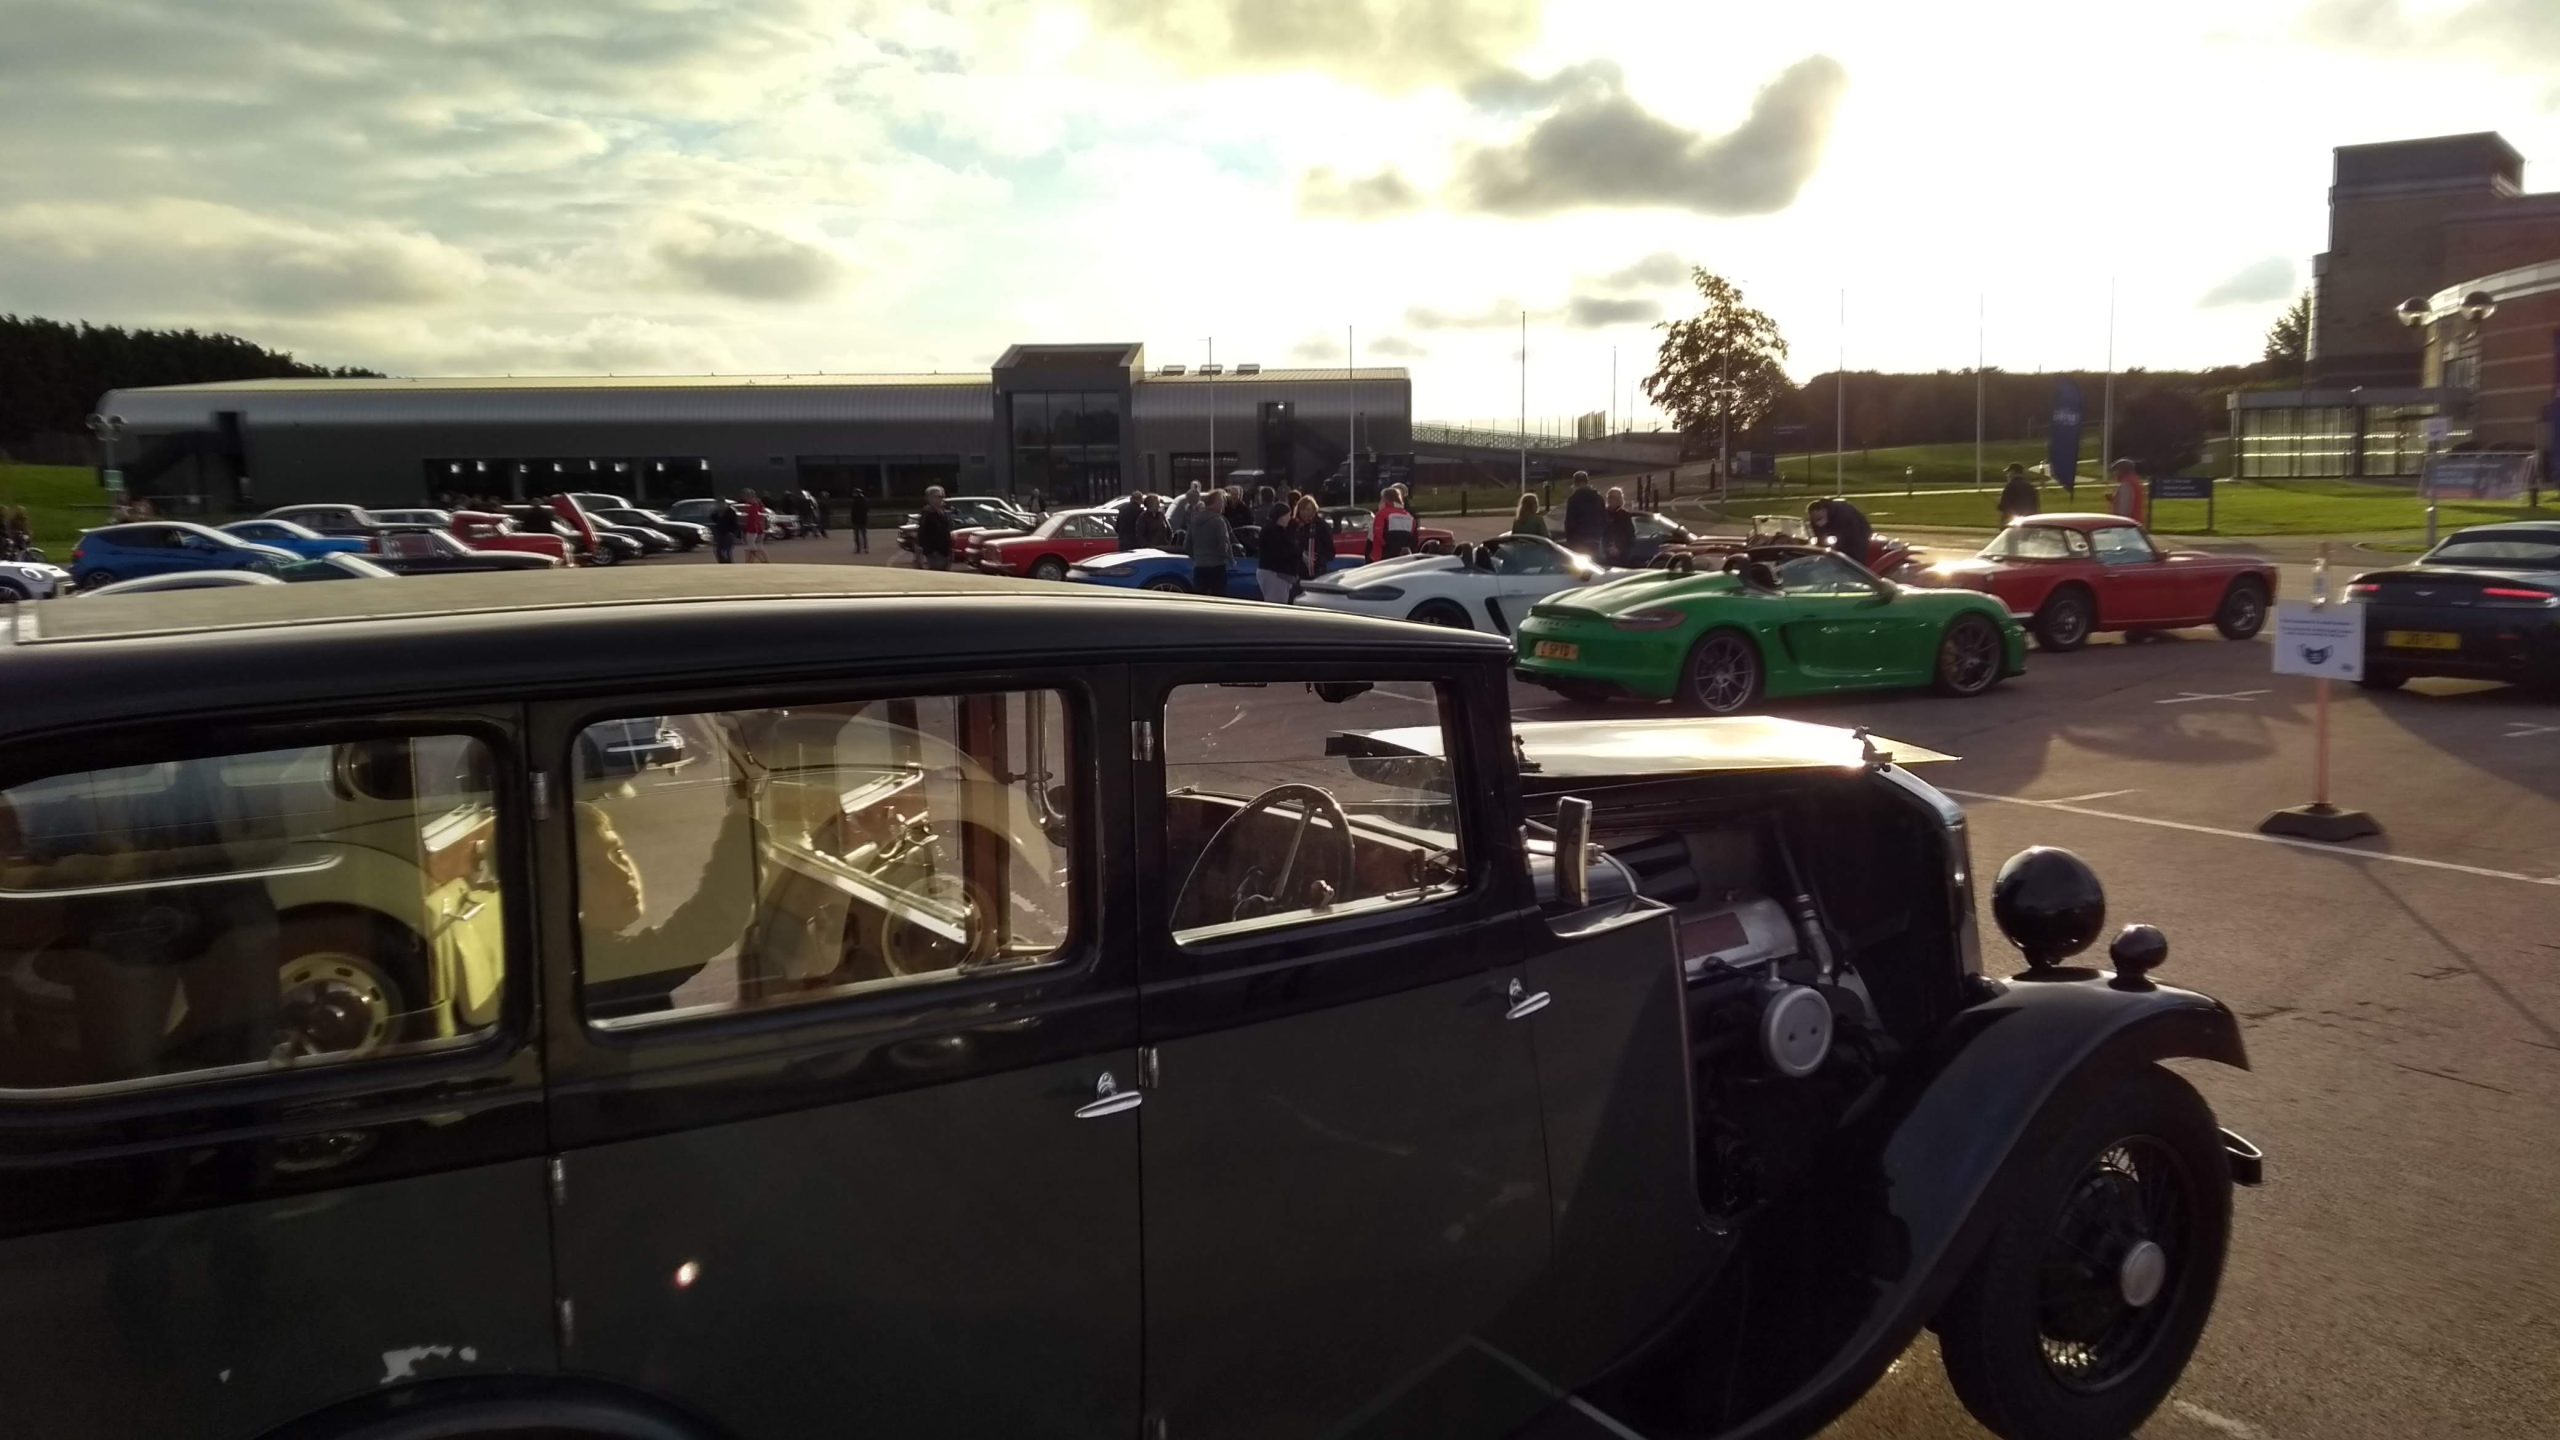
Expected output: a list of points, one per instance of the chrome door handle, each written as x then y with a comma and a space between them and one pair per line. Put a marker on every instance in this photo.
1110, 1099
1524, 1004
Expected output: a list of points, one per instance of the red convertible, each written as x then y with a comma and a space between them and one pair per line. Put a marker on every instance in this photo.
2067, 576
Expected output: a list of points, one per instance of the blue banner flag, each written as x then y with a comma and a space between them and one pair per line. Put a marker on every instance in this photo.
2062, 457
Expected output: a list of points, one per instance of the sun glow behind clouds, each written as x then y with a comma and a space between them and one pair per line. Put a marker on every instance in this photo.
872, 184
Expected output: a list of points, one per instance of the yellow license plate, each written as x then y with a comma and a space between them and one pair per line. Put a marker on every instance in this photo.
1558, 650
2421, 640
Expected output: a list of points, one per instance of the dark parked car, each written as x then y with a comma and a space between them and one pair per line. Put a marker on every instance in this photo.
1028, 1010
2483, 605
424, 551
684, 535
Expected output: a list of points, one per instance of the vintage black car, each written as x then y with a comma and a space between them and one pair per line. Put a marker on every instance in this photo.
1026, 1012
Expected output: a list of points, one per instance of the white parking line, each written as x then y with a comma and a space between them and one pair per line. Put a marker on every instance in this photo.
2189, 697
2526, 729
2236, 1429
1408, 699
2093, 795
2068, 808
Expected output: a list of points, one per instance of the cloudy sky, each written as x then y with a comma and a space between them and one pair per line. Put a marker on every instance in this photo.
492, 186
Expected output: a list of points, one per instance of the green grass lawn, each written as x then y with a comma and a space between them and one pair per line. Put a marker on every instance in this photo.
61, 501
2241, 508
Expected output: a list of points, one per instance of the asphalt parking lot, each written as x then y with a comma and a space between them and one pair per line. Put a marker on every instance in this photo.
2397, 1276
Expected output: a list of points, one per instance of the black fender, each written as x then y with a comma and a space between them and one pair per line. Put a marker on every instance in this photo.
569, 1407
1827, 1286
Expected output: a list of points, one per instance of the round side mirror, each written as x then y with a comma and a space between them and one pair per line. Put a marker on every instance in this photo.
2049, 904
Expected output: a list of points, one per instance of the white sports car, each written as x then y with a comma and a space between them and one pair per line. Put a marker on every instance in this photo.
1477, 587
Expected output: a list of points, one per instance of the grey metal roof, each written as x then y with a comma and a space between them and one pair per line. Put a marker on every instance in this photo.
558, 399
1366, 375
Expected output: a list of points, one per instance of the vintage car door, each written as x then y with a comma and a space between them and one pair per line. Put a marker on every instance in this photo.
270, 1093
1345, 1181
2134, 586
845, 1075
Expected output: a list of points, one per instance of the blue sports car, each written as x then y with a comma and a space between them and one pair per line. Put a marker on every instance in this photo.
303, 541
166, 547
1165, 570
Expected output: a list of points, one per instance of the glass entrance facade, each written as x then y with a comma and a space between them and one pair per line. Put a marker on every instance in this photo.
1066, 446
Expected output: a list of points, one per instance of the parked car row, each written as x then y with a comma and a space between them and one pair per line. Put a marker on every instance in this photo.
590, 529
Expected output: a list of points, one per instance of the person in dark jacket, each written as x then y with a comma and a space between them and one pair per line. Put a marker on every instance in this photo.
1126, 530
2018, 495
724, 533
1585, 517
933, 532
1617, 529
857, 513
1278, 558
1153, 531
1843, 525
1317, 533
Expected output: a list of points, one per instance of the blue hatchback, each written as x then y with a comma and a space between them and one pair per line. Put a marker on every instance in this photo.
165, 547
302, 540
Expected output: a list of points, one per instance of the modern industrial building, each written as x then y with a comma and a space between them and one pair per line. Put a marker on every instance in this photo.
2439, 296
1066, 423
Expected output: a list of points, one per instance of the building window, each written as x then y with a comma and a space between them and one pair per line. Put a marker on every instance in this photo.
1185, 467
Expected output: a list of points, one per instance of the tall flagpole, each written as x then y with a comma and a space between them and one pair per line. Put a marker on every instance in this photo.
2107, 427
1612, 425
1524, 402
1977, 390
1840, 407
1351, 372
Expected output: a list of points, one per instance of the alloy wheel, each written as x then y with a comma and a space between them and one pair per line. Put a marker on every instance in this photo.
1969, 657
1724, 674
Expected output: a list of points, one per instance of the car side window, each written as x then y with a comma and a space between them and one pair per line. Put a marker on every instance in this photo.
749, 858
1822, 574
2121, 545
1280, 813
248, 912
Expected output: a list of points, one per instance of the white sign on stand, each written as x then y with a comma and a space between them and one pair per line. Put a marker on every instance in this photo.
2326, 641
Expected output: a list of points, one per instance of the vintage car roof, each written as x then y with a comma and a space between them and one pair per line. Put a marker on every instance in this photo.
1651, 748
2076, 519
291, 648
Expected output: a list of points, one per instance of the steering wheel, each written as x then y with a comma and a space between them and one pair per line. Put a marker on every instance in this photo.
1249, 902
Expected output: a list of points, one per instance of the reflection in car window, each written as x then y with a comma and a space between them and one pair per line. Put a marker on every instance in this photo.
249, 911
2036, 542
2121, 545
1525, 556
1274, 817
761, 857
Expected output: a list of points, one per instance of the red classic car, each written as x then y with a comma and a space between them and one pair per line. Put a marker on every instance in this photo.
1351, 532
483, 531
2070, 575
1053, 545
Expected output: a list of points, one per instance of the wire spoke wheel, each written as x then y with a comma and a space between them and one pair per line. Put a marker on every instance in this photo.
2109, 1278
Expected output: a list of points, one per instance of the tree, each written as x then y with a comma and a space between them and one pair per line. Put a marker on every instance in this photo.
1721, 370
2161, 429
52, 373
2289, 339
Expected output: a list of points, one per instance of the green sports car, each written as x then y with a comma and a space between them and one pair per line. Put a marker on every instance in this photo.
1777, 621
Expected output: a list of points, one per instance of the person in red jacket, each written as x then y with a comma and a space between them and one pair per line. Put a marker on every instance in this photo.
1392, 531
2130, 500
